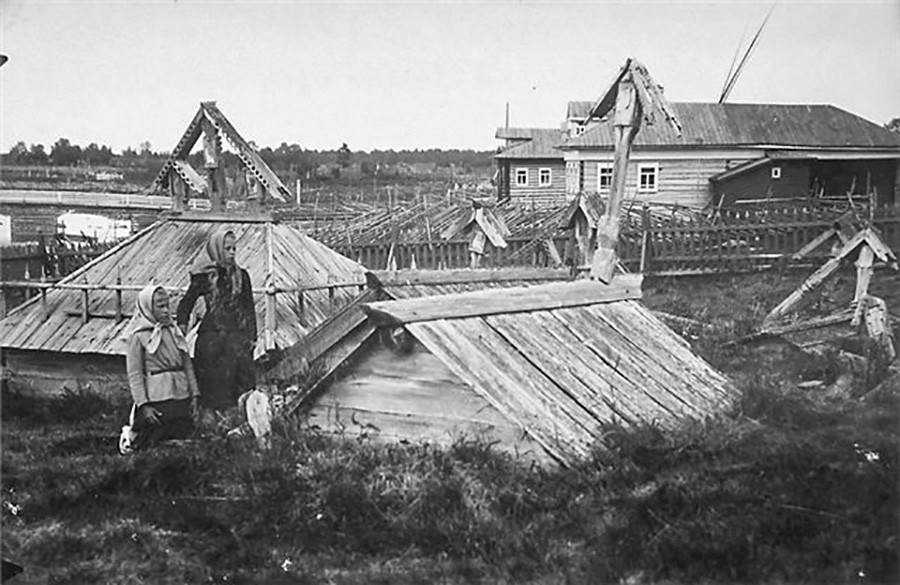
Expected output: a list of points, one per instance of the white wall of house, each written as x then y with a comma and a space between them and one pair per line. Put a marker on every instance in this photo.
655, 176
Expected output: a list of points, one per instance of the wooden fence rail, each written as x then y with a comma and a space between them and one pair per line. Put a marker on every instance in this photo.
735, 243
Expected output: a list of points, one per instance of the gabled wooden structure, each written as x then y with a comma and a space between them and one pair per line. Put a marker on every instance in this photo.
539, 367
583, 216
181, 181
482, 226
863, 249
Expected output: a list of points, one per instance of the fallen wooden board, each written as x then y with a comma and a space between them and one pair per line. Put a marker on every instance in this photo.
555, 295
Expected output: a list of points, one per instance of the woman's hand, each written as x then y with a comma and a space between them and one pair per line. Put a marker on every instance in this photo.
195, 408
151, 415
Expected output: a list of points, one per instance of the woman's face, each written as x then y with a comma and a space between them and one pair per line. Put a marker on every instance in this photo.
161, 305
230, 247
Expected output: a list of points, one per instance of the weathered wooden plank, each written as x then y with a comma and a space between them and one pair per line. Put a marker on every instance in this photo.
509, 300
473, 360
647, 389
533, 333
464, 275
702, 384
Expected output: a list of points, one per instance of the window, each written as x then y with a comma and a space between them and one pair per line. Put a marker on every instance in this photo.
544, 177
604, 177
648, 178
521, 177
776, 172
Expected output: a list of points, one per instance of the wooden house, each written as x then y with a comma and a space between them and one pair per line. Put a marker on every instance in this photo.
731, 152
537, 366
530, 167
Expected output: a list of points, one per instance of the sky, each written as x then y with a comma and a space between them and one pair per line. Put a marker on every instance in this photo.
404, 75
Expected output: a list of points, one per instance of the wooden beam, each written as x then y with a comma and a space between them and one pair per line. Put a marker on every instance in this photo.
463, 276
626, 125
541, 297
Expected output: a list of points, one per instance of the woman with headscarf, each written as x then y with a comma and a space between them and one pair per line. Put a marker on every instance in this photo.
223, 354
160, 373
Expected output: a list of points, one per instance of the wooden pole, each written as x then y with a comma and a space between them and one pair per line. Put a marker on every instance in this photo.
626, 125
270, 291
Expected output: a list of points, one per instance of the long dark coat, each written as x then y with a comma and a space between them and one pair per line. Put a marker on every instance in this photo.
223, 355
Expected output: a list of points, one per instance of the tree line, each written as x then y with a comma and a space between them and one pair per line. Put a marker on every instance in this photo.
286, 157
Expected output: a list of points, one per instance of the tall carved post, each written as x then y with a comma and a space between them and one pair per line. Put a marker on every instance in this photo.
626, 125
215, 177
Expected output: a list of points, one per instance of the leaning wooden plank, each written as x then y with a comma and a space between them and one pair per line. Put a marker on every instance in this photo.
814, 243
322, 338
554, 295
463, 275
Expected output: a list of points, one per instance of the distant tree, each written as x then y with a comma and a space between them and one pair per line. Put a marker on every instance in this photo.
893, 125
96, 155
18, 154
63, 153
37, 155
343, 155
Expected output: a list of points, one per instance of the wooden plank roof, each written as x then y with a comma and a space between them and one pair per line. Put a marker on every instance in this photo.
163, 254
561, 373
734, 124
564, 373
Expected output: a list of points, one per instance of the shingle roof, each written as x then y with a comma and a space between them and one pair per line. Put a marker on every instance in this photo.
542, 145
784, 125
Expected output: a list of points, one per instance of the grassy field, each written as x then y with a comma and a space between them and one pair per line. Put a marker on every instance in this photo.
795, 487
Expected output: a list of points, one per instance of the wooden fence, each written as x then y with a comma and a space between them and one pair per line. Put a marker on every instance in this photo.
41, 262
733, 241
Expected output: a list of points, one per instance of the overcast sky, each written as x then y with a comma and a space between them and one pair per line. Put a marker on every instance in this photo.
412, 75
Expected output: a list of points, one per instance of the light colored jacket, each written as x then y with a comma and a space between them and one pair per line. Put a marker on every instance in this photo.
166, 374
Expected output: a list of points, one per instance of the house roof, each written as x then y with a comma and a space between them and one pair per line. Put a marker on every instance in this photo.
163, 253
564, 372
730, 124
541, 145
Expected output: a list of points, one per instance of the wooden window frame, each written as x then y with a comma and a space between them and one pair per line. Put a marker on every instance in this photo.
604, 166
654, 167
541, 182
523, 172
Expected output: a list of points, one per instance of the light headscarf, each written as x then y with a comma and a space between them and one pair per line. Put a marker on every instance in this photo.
213, 257
144, 320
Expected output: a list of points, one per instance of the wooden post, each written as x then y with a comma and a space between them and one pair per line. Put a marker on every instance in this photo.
626, 125
863, 277
119, 298
270, 291
215, 179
